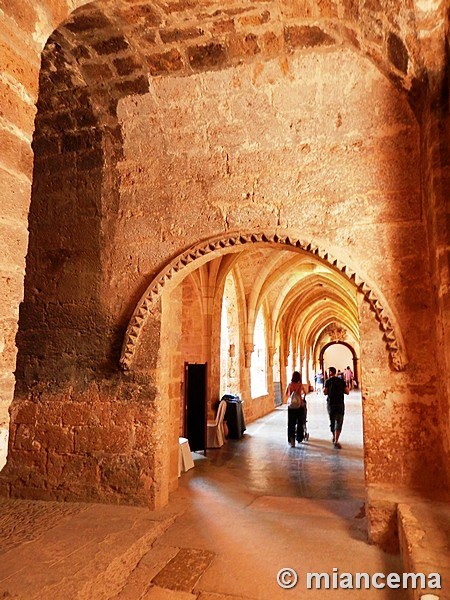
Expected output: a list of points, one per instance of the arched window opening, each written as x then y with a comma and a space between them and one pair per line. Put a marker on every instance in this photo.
276, 374
229, 340
258, 369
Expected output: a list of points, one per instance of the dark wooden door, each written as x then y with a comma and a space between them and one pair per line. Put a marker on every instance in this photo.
195, 405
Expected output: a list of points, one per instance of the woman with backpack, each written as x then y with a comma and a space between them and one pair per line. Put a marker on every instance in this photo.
296, 392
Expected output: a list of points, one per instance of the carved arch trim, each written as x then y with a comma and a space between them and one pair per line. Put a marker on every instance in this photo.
388, 325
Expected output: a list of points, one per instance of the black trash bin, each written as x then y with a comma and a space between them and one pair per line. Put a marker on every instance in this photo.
234, 416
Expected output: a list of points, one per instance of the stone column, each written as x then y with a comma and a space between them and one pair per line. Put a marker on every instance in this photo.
248, 349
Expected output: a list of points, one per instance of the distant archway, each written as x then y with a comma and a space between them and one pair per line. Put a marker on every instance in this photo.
355, 360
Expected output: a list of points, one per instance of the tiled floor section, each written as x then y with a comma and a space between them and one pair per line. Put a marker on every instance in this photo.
243, 513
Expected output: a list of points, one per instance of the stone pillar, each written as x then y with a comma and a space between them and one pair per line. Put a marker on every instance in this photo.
400, 419
110, 440
20, 72
248, 349
270, 355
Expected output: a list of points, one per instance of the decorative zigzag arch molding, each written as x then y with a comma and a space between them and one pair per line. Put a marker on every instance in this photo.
233, 242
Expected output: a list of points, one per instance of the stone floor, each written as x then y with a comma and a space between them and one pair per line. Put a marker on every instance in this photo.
245, 512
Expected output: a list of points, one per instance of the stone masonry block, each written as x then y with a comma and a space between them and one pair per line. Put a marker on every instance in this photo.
15, 198
144, 15
307, 37
111, 46
271, 43
90, 160
143, 436
166, 62
207, 56
126, 475
13, 243
19, 61
122, 413
24, 436
139, 85
127, 65
295, 9
179, 6
21, 13
177, 35
27, 466
46, 145
222, 26
144, 415
94, 71
109, 440
328, 8
75, 413
24, 412
242, 45
49, 412
255, 19
54, 438
72, 470
91, 21
16, 110
17, 155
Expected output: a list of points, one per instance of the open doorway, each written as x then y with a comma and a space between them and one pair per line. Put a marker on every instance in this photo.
254, 315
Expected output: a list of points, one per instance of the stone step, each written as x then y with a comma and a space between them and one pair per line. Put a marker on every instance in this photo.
87, 552
424, 534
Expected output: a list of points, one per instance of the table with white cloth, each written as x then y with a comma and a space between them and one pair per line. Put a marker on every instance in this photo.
185, 461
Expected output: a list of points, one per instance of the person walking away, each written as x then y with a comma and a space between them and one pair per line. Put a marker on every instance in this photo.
348, 377
319, 382
295, 392
334, 389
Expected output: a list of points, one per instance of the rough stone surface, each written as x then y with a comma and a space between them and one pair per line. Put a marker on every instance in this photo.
184, 570
73, 550
160, 127
237, 505
424, 529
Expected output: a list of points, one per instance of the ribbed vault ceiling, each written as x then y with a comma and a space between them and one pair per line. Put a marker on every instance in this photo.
302, 295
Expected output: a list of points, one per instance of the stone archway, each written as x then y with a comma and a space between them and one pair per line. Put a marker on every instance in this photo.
167, 282
204, 251
352, 350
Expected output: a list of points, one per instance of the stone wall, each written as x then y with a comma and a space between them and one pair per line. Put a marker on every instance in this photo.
241, 149
19, 57
253, 118
95, 443
435, 128
245, 30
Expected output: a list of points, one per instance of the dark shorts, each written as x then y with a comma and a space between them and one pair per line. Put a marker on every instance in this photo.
336, 414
